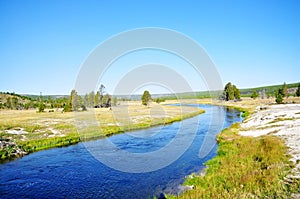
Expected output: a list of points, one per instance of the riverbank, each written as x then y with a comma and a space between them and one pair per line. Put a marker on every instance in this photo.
23, 132
263, 166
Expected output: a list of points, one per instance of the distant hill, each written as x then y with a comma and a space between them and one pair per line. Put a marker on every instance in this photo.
266, 90
269, 90
17, 101
45, 97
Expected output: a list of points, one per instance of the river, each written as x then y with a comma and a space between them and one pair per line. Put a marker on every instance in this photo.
72, 172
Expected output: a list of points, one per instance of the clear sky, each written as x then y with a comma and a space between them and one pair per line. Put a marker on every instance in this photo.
44, 42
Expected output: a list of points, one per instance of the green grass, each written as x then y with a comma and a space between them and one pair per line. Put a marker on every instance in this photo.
245, 112
39, 135
46, 143
244, 168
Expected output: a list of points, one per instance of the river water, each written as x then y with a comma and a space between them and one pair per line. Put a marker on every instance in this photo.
72, 172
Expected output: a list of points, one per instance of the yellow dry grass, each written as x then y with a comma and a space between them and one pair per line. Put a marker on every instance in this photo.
29, 124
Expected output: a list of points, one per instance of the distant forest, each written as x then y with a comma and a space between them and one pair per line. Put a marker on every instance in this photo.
72, 102
101, 99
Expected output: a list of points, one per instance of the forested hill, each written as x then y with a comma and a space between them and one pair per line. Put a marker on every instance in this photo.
20, 102
270, 90
15, 101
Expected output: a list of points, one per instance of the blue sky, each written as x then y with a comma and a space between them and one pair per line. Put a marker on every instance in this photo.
44, 43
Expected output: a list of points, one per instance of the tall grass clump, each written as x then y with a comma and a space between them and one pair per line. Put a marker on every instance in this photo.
46, 143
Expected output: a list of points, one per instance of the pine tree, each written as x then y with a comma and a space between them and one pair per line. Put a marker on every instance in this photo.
146, 97
228, 92
279, 96
236, 92
101, 92
254, 95
8, 103
298, 91
106, 101
284, 90
74, 101
231, 92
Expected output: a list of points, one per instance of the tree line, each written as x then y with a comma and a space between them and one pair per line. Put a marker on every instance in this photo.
231, 92
100, 99
282, 93
73, 102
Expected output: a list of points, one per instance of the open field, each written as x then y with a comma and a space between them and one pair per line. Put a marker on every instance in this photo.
28, 131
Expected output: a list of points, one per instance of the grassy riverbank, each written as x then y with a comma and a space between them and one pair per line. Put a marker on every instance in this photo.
29, 131
245, 167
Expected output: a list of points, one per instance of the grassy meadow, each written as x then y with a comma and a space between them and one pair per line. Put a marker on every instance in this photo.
32, 131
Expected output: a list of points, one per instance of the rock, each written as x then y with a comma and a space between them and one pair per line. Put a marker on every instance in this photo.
11, 149
161, 196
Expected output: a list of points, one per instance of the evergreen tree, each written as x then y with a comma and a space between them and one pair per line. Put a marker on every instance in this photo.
284, 90
15, 102
146, 97
228, 92
101, 92
97, 100
298, 91
236, 92
279, 96
41, 104
8, 103
74, 101
231, 92
106, 101
41, 107
67, 107
254, 95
